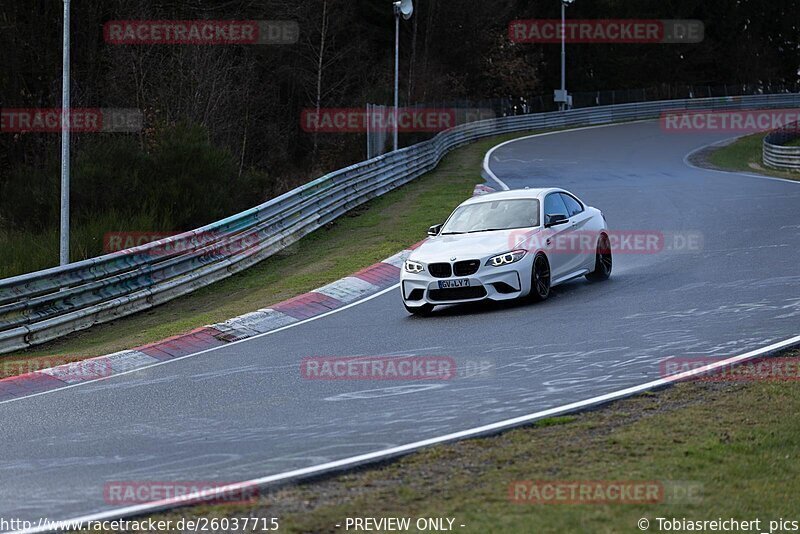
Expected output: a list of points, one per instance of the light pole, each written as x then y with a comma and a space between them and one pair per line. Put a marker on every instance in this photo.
561, 96
406, 9
65, 126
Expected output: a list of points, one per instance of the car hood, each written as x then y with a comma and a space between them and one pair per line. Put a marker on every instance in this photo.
471, 246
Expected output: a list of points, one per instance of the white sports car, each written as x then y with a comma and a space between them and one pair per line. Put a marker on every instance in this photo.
507, 245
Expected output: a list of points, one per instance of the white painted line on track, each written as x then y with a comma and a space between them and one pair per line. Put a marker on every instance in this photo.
488, 156
411, 447
391, 261
280, 329
688, 163
292, 325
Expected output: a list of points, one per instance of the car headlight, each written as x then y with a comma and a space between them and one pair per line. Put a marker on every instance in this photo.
507, 258
414, 267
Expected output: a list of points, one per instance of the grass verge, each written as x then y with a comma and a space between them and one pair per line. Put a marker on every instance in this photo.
735, 443
364, 236
743, 154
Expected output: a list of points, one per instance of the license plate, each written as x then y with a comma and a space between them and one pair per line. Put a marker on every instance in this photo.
451, 284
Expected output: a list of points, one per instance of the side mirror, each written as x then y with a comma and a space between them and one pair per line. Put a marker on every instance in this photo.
434, 230
555, 220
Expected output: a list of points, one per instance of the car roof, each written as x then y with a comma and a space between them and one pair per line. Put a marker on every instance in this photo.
513, 194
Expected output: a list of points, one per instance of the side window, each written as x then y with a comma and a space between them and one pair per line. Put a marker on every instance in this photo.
573, 206
554, 205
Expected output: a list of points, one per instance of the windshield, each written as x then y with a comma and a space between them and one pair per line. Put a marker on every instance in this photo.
497, 215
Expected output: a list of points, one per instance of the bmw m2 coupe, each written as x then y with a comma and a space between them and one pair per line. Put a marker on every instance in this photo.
507, 245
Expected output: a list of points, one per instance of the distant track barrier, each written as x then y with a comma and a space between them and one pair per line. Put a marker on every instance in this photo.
777, 153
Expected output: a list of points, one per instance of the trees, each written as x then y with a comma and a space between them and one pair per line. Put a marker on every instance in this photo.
248, 99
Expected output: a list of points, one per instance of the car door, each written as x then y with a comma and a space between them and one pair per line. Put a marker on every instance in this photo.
582, 243
555, 237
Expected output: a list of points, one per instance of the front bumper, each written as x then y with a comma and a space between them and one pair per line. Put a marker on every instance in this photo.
495, 283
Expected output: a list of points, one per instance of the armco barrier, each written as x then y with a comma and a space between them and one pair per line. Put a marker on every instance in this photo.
776, 154
47, 304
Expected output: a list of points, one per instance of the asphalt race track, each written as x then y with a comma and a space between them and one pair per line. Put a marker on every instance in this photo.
244, 410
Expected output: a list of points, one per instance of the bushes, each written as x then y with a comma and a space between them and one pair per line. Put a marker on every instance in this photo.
180, 176
23, 251
189, 179
179, 181
110, 174
29, 197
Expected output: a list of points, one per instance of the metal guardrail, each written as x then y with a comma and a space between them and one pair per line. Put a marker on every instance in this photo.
44, 305
776, 154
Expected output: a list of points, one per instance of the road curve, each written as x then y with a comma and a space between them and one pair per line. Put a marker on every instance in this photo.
243, 410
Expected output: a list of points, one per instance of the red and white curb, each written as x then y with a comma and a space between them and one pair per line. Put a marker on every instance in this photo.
366, 282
